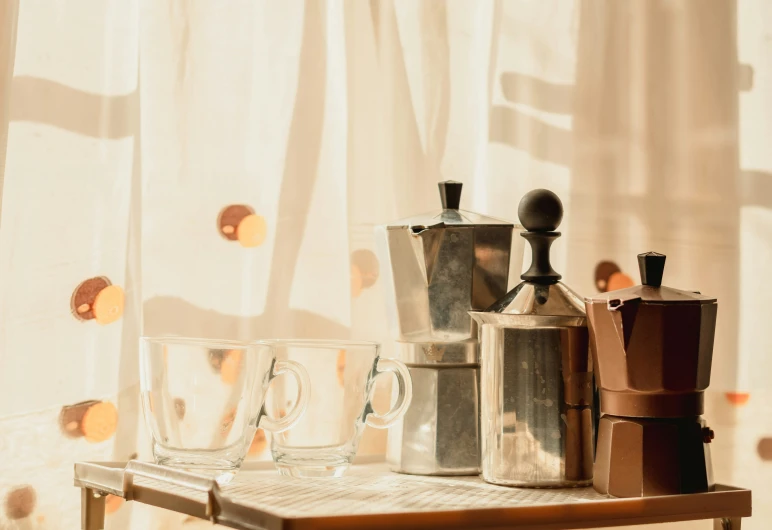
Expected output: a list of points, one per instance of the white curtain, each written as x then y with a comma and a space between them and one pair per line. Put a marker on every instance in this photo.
136, 134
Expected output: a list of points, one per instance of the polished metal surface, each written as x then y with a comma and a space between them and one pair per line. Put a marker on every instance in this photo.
438, 267
536, 389
544, 301
435, 273
441, 436
535, 432
448, 217
435, 353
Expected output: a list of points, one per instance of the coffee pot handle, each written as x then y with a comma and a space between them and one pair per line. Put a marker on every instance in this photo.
304, 392
404, 394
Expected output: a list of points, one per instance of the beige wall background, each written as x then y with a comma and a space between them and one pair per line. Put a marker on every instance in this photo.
127, 128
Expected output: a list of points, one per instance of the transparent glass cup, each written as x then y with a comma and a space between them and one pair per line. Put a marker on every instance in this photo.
343, 375
204, 399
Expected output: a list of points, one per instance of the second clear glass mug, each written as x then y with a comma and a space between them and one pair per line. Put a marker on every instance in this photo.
325, 440
203, 400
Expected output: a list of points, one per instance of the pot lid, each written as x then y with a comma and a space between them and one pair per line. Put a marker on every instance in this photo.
535, 305
652, 267
541, 299
450, 194
528, 298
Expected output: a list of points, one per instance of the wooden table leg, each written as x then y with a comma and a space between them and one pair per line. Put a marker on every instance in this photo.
92, 510
727, 523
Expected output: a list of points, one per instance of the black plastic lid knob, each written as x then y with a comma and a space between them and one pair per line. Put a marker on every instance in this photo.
540, 212
450, 194
652, 267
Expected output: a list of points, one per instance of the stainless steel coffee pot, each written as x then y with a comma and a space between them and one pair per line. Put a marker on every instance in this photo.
438, 267
536, 377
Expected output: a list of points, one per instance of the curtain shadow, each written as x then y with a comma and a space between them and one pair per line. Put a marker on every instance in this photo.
9, 15
169, 315
128, 399
44, 101
300, 170
539, 139
655, 140
537, 93
756, 188
414, 169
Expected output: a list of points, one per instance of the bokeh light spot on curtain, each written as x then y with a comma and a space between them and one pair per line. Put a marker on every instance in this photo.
738, 398
619, 280
84, 305
764, 449
99, 422
608, 277
364, 270
20, 502
239, 222
95, 421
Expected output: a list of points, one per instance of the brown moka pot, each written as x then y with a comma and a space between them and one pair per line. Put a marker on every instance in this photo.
652, 349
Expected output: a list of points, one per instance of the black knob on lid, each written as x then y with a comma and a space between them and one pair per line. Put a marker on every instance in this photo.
540, 213
652, 267
450, 193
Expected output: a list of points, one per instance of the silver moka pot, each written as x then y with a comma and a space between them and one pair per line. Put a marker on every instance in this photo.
537, 382
440, 266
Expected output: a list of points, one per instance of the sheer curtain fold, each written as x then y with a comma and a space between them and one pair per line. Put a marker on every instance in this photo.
9, 13
216, 169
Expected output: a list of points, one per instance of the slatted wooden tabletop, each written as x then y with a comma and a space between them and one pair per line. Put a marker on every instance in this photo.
371, 497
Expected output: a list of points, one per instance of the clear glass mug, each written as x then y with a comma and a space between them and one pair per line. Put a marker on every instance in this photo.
204, 399
343, 375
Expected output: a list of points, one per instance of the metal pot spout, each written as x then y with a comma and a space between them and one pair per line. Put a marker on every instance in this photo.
426, 247
623, 314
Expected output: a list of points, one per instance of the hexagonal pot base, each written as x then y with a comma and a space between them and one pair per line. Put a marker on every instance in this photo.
638, 457
439, 433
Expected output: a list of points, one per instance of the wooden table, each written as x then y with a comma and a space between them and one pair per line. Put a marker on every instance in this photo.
371, 497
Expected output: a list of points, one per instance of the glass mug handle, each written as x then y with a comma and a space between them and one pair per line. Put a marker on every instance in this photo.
288, 421
404, 395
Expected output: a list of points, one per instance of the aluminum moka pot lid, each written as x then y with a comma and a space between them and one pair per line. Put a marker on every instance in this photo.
541, 299
652, 267
450, 195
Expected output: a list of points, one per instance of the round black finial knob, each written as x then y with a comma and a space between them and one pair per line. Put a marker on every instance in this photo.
540, 211
450, 194
652, 267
